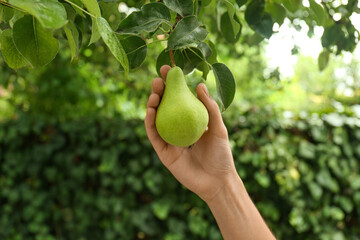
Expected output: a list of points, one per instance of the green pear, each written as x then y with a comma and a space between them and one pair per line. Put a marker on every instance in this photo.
181, 118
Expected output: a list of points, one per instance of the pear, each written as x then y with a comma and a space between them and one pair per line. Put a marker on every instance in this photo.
181, 118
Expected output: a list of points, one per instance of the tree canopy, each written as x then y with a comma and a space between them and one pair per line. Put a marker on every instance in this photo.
31, 31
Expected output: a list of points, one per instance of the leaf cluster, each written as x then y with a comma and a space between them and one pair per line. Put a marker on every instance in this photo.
30, 31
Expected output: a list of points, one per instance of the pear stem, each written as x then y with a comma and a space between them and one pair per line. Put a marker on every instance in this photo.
172, 58
178, 18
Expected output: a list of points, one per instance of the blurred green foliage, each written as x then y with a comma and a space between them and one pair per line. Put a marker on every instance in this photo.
99, 178
303, 172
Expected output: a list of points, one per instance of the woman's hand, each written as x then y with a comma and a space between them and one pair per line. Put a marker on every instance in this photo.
205, 167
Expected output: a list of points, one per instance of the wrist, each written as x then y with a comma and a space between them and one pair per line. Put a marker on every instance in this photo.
231, 189
236, 214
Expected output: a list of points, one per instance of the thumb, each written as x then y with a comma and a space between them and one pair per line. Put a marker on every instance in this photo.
215, 120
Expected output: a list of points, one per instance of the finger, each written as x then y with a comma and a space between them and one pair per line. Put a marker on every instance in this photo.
158, 143
164, 71
153, 101
158, 86
216, 123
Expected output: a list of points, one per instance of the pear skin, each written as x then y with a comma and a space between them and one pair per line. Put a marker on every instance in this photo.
181, 118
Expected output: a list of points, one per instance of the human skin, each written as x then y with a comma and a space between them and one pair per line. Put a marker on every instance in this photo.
208, 170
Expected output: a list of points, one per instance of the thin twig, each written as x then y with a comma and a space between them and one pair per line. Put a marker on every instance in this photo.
71, 3
6, 4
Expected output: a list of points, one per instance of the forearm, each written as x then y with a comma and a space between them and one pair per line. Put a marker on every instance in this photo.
236, 214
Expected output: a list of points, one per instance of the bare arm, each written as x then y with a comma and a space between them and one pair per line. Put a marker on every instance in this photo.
208, 170
236, 214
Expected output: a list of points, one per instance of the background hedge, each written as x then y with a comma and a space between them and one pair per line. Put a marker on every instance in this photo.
99, 178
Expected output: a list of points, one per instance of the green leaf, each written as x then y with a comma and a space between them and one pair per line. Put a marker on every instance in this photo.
227, 28
254, 12
113, 43
17, 16
205, 68
315, 190
6, 13
205, 3
207, 53
72, 36
135, 48
70, 12
277, 12
292, 5
34, 42
355, 183
193, 57
356, 197
182, 7
307, 150
331, 35
230, 25
164, 59
95, 34
186, 32
197, 8
326, 180
94, 9
335, 35
264, 28
198, 225
50, 13
336, 213
241, 2
225, 83
323, 59
161, 209
318, 13
205, 49
259, 20
345, 203
269, 210
213, 57
262, 179
147, 19
80, 5
80, 24
12, 56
